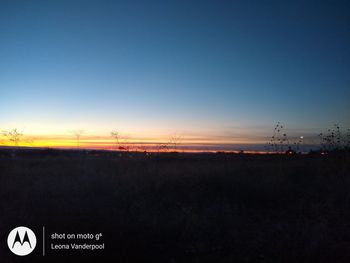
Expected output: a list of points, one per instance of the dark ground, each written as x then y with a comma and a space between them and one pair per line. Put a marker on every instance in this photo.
180, 208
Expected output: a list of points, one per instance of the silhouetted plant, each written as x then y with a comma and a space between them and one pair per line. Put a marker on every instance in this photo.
297, 144
77, 133
334, 140
14, 136
279, 141
116, 136
121, 142
162, 147
175, 140
347, 140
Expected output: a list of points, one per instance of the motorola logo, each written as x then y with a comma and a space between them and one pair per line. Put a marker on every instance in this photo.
21, 241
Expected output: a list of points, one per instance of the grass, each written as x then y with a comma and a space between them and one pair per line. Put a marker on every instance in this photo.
183, 208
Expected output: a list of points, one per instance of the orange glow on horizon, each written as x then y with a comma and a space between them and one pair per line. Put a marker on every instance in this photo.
140, 144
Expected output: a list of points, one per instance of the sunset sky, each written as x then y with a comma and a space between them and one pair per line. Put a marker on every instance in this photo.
215, 72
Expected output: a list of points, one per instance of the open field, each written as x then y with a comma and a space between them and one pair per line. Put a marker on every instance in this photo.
181, 207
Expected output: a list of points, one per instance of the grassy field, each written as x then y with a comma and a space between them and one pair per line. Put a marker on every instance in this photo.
181, 207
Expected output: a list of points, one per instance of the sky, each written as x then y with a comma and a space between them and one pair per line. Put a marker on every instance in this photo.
214, 72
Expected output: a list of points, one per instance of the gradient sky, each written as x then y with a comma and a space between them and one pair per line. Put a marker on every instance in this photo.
223, 71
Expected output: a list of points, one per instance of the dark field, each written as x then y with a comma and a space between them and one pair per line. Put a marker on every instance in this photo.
181, 208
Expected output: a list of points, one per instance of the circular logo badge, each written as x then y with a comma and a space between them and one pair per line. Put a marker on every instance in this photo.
21, 241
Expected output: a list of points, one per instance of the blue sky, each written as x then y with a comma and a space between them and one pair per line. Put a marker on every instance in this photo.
203, 68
